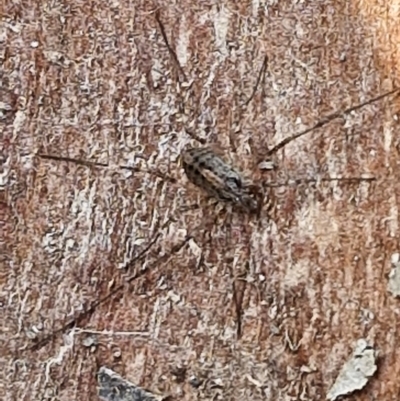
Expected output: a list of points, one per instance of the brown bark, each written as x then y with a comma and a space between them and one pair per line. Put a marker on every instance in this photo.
95, 81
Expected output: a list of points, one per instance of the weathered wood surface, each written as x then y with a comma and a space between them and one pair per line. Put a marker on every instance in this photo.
95, 81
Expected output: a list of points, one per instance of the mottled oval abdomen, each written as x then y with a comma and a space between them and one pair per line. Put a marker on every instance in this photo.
210, 172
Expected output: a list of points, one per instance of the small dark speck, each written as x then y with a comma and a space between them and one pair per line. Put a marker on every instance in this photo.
195, 381
179, 372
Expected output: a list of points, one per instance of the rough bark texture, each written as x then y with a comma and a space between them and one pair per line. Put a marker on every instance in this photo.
95, 81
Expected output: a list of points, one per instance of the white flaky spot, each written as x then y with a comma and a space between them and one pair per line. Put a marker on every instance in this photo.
394, 276
318, 224
255, 4
393, 217
297, 273
183, 42
387, 137
18, 122
221, 23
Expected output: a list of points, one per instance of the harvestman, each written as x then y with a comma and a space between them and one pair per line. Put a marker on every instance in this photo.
209, 171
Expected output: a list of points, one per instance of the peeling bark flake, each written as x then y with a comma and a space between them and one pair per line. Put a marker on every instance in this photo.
355, 372
112, 387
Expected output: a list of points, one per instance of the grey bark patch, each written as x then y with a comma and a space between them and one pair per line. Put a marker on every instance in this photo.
355, 372
112, 387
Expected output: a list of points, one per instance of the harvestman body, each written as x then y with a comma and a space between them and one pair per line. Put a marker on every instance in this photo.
209, 171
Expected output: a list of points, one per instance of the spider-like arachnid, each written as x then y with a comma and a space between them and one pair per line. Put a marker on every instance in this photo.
208, 170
